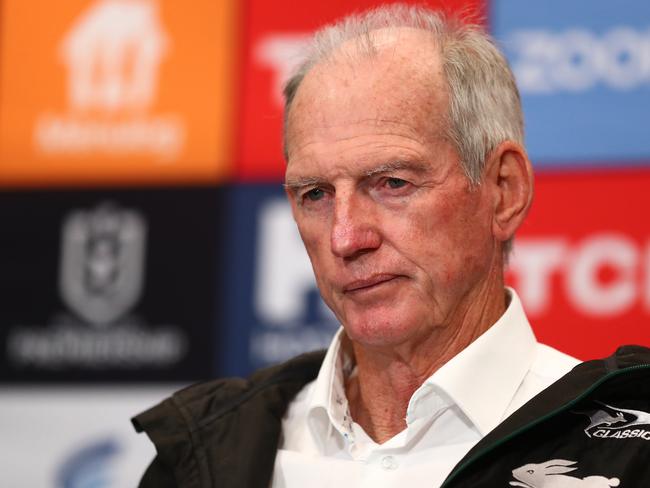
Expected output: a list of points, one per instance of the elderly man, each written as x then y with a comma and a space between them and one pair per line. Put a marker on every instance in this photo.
408, 179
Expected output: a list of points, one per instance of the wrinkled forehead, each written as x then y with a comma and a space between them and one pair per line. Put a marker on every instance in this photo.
391, 76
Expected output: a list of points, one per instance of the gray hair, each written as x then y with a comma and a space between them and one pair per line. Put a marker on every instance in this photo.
484, 103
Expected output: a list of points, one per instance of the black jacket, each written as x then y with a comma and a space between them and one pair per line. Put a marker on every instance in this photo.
591, 428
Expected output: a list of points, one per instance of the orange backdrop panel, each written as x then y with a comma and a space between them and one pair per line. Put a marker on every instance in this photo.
116, 92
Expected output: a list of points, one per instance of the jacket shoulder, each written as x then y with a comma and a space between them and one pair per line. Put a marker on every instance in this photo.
216, 417
572, 385
555, 423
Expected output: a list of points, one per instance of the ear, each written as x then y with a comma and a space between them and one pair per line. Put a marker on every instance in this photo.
557, 462
558, 470
510, 174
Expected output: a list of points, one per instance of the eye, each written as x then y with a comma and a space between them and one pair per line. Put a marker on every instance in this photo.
393, 188
395, 183
315, 194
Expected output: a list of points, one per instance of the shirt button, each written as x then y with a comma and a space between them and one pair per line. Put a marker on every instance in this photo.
388, 462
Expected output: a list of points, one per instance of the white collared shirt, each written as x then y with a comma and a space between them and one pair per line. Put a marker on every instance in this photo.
451, 411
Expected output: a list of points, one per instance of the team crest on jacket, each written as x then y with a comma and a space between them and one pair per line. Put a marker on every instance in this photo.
610, 422
552, 474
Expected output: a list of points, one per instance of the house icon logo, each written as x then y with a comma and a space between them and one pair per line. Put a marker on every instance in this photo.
112, 53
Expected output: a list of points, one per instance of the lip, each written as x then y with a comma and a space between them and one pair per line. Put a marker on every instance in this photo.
369, 283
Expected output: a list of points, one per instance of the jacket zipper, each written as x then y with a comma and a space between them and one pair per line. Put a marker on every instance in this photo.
535, 422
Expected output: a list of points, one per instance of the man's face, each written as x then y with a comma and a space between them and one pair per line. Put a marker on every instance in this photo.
399, 240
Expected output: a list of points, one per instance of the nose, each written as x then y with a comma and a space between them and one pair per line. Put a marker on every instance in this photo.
354, 230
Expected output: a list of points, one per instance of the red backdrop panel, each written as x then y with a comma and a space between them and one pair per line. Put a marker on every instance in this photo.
582, 261
274, 33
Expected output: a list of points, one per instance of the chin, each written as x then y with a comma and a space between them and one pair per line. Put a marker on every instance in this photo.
381, 330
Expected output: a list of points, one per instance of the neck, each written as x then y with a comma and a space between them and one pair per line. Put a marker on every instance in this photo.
386, 378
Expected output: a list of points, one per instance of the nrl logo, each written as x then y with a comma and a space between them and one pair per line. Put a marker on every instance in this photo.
102, 261
617, 423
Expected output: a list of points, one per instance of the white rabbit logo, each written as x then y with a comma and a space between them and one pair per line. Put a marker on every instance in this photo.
551, 475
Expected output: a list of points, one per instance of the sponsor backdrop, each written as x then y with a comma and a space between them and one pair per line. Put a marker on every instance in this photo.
104, 91
79, 440
146, 242
109, 285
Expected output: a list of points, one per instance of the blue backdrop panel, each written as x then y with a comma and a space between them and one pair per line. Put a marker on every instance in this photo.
583, 68
273, 310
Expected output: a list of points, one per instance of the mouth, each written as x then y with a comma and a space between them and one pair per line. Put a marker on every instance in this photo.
371, 283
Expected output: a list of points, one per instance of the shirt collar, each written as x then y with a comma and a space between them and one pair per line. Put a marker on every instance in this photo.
482, 379
328, 406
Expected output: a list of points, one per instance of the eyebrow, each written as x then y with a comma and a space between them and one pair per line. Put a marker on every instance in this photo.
301, 182
415, 166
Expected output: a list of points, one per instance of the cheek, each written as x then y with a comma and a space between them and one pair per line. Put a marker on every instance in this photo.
430, 228
445, 237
